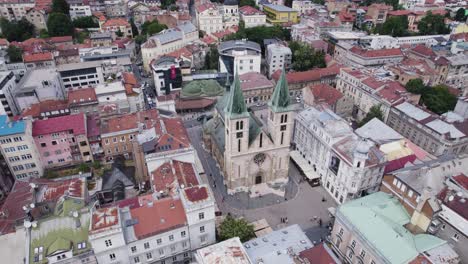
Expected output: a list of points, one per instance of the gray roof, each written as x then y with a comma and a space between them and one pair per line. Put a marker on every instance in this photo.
413, 111
231, 2
280, 8
187, 27
278, 246
100, 35
169, 35
378, 131
239, 44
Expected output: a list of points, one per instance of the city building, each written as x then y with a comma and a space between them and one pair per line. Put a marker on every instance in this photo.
230, 13
256, 88
77, 11
7, 96
100, 39
81, 74
377, 13
18, 148
15, 10
62, 141
435, 134
38, 17
251, 150
116, 26
209, 17
167, 41
304, 6
279, 14
228, 251
278, 57
324, 94
355, 56
82, 100
167, 75
457, 74
239, 57
38, 60
38, 85
251, 16
372, 229
326, 148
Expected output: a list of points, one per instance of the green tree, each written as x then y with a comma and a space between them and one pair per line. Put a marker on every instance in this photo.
134, 28
96, 164
80, 36
231, 227
439, 100
151, 28
212, 59
305, 58
15, 54
394, 26
85, 22
60, 6
247, 3
59, 24
166, 3
460, 15
44, 33
16, 30
258, 34
140, 39
119, 33
83, 167
432, 25
415, 86
374, 112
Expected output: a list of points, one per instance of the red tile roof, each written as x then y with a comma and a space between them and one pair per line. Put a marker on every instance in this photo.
310, 75
254, 80
116, 22
249, 11
129, 81
325, 93
453, 201
462, 180
81, 96
208, 40
4, 42
54, 190
36, 110
75, 123
205, 6
104, 218
193, 103
182, 52
170, 175
176, 136
159, 217
130, 121
196, 194
12, 208
318, 255
37, 57
376, 53
57, 40
423, 50
92, 125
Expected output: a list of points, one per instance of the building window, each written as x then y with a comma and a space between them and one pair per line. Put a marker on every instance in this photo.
112, 256
159, 241
137, 259
353, 244
174, 258
341, 232
108, 243
363, 254
183, 234
184, 244
173, 248
161, 252
201, 216
456, 236
134, 249
202, 239
171, 237
202, 229
149, 256
146, 245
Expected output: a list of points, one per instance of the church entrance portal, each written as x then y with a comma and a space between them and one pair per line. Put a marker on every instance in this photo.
258, 179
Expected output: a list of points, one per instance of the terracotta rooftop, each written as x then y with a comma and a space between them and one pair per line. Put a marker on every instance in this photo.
129, 81
182, 52
115, 22
376, 53
92, 125
206, 6
196, 194
130, 121
249, 11
61, 39
75, 123
37, 109
49, 190
37, 57
423, 50
193, 103
158, 217
12, 208
318, 255
170, 175
175, 136
81, 96
208, 40
254, 80
104, 218
325, 93
310, 75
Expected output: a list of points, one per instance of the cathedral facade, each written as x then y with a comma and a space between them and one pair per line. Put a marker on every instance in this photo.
251, 149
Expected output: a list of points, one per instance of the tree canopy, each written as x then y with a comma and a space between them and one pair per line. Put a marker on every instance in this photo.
432, 24
134, 28
374, 112
152, 27
231, 227
166, 3
305, 58
16, 30
14, 53
438, 98
258, 34
247, 3
460, 15
212, 59
395, 26
59, 24
85, 22
60, 6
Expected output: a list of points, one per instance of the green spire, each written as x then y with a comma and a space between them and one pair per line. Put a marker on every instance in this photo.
280, 98
236, 102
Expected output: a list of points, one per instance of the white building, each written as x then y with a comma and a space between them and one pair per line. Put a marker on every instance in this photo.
167, 41
81, 74
304, 6
278, 57
326, 147
37, 86
18, 148
15, 10
252, 17
77, 11
239, 56
7, 87
457, 75
209, 18
230, 13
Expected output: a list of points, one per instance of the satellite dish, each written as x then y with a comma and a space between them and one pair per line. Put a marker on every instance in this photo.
34, 224
459, 194
75, 214
27, 224
450, 198
32, 205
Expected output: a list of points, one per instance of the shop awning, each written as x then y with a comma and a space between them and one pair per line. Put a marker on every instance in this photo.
304, 165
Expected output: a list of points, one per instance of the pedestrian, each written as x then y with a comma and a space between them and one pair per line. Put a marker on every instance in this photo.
320, 222
286, 220
281, 219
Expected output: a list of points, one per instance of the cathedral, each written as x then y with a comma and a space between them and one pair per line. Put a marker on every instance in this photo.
251, 149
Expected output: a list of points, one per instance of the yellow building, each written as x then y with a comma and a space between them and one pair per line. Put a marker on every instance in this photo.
278, 14
461, 28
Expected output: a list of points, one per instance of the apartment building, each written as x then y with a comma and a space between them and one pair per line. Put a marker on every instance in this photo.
435, 134
38, 60
14, 10
251, 16
18, 148
373, 229
83, 100
62, 140
355, 56
327, 149
81, 74
230, 13
77, 11
377, 13
209, 18
116, 25
280, 14
7, 96
457, 75
324, 94
366, 91
167, 41
239, 57
278, 57
256, 88
304, 6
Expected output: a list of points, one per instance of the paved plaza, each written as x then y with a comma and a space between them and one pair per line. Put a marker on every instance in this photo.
302, 203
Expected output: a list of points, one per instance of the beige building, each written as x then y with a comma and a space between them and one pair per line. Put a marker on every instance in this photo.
18, 148
209, 18
167, 41
251, 150
37, 17
15, 10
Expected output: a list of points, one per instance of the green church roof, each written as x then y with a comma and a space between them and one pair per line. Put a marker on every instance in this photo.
380, 219
280, 101
235, 106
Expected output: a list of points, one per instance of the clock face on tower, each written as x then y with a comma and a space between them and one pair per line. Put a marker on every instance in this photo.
259, 158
